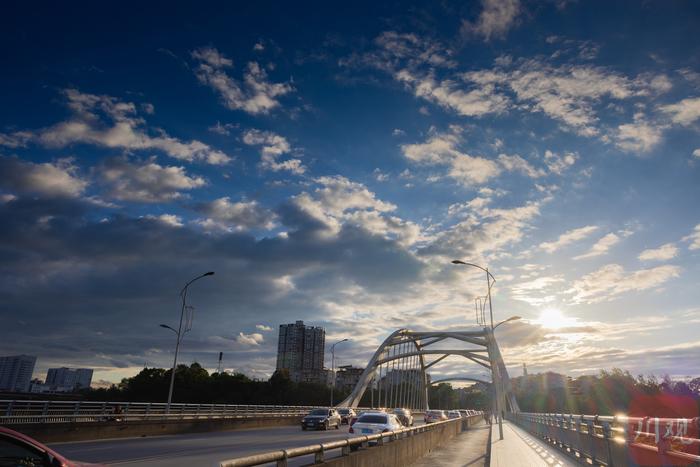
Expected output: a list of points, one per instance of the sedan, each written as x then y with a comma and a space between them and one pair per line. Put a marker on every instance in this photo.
346, 414
432, 416
405, 416
17, 449
371, 423
454, 414
321, 419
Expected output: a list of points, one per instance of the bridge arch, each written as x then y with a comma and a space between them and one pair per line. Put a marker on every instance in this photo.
401, 359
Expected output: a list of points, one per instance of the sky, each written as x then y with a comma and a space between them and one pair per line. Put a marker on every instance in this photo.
327, 161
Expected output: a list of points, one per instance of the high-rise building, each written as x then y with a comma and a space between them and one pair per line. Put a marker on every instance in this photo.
16, 372
78, 378
300, 351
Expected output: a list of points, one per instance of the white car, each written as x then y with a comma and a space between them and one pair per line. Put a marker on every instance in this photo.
370, 423
432, 416
454, 414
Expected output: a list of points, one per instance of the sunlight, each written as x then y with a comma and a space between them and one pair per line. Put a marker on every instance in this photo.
553, 318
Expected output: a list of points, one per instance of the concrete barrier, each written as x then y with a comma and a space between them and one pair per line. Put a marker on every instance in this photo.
67, 432
405, 450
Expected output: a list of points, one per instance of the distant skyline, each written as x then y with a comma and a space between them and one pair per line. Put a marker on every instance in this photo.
329, 161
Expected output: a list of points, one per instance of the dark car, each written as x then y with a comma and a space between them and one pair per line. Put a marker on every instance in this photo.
321, 419
405, 416
346, 414
17, 449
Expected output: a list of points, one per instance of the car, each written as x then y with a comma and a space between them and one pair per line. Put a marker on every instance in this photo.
346, 414
454, 414
370, 423
321, 419
17, 449
405, 416
432, 416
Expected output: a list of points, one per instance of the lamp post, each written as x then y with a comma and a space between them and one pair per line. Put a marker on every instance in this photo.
496, 376
179, 333
490, 280
512, 318
333, 367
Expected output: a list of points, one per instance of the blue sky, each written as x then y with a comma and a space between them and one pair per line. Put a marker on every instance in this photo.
329, 161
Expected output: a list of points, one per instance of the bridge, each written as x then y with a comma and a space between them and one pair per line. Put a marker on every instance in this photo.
397, 376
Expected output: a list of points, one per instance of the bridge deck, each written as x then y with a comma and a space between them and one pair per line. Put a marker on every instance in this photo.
467, 449
520, 448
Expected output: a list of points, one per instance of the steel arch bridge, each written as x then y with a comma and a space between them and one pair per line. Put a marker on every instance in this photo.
397, 372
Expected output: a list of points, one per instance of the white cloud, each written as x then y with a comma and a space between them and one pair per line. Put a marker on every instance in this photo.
684, 112
168, 219
479, 101
272, 146
483, 230
496, 18
58, 178
536, 292
256, 95
339, 201
639, 136
663, 253
515, 163
693, 238
224, 129
225, 215
253, 339
411, 49
612, 280
123, 129
145, 181
567, 238
558, 164
263, 327
696, 153
601, 247
566, 93
442, 149
17, 139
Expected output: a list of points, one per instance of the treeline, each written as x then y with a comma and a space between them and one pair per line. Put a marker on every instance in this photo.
608, 393
194, 384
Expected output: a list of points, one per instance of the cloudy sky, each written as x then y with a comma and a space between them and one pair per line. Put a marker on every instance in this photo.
328, 161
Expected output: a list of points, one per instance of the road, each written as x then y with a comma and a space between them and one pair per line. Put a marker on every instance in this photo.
200, 449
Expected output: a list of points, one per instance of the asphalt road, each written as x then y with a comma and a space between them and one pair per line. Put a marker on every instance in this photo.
197, 449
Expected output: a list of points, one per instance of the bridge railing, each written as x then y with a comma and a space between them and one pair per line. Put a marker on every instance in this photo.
320, 451
31, 411
614, 441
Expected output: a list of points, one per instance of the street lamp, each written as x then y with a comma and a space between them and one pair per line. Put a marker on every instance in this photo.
179, 333
496, 377
489, 283
512, 318
333, 367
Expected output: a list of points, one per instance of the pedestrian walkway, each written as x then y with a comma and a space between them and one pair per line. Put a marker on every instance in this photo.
466, 449
518, 448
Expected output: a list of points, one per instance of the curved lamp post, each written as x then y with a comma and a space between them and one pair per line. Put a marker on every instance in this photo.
490, 280
333, 366
179, 333
512, 318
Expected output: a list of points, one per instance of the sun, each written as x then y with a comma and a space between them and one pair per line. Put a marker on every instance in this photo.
553, 318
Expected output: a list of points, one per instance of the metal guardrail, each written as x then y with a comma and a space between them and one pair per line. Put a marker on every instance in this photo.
30, 411
614, 441
345, 445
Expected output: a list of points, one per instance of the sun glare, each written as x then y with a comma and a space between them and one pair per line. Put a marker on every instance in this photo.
552, 318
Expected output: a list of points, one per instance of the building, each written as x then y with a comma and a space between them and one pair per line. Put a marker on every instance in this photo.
78, 378
16, 372
301, 351
347, 377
